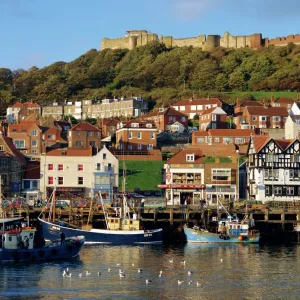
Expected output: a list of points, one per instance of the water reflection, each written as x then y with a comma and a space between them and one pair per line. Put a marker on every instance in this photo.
246, 271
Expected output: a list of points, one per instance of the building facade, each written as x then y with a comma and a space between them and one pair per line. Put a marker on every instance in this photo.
212, 118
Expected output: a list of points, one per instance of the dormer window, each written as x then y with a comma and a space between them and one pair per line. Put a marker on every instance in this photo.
134, 124
190, 157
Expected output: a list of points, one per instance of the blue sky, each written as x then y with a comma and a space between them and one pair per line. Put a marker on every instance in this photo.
40, 32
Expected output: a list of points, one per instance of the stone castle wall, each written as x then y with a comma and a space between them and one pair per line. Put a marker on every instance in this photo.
207, 43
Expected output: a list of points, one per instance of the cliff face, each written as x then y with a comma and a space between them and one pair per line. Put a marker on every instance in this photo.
136, 38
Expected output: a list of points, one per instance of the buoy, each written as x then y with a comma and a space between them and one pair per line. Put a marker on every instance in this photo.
240, 238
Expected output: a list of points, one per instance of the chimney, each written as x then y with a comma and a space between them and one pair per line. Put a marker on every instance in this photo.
238, 102
265, 102
298, 98
272, 100
208, 97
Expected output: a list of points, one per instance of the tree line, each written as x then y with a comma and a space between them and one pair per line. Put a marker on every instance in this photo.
155, 72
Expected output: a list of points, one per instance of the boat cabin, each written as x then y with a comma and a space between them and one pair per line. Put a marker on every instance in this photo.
233, 227
116, 223
19, 238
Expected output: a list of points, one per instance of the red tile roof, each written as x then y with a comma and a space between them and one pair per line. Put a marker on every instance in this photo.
19, 128
17, 105
70, 152
31, 105
180, 157
85, 126
285, 100
267, 111
231, 132
202, 101
213, 150
14, 151
283, 143
170, 111
259, 141
248, 103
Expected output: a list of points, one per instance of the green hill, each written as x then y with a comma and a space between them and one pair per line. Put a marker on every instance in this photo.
158, 73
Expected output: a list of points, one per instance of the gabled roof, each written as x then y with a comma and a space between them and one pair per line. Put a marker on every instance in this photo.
13, 150
170, 111
285, 100
71, 152
142, 124
267, 111
249, 103
201, 101
180, 157
17, 105
85, 126
214, 110
259, 141
31, 105
109, 122
20, 128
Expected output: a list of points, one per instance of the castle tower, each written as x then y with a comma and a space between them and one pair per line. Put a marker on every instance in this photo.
212, 42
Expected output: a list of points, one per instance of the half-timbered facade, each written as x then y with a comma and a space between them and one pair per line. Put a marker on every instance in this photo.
273, 169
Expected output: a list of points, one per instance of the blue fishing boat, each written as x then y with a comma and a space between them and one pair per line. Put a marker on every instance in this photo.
24, 244
229, 230
121, 229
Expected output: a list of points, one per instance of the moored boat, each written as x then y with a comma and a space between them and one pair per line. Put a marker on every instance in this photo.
24, 244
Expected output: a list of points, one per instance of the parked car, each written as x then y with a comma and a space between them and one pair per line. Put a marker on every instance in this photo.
6, 203
18, 203
62, 204
81, 203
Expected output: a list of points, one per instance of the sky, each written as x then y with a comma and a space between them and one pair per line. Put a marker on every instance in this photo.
41, 32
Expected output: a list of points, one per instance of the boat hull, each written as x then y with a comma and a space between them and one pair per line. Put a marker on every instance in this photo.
54, 251
102, 236
198, 236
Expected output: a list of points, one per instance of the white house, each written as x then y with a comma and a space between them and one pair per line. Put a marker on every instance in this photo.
177, 127
78, 172
12, 112
273, 169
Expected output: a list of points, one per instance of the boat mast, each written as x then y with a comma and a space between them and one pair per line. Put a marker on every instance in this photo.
123, 208
54, 204
104, 211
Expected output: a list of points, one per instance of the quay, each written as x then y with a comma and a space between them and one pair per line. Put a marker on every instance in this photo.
275, 221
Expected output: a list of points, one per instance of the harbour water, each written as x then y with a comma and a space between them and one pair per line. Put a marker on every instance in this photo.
224, 272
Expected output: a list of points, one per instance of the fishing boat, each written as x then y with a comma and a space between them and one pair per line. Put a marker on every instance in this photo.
25, 244
228, 230
123, 228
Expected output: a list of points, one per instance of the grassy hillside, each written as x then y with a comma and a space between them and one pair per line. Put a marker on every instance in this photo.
145, 175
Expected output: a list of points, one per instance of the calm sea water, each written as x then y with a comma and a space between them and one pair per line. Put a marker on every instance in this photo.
246, 272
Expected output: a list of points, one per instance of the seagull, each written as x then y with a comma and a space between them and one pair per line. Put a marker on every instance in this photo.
183, 262
69, 275
64, 273
171, 261
190, 273
80, 274
140, 270
160, 273
148, 281
190, 282
108, 270
198, 284
118, 264
121, 272
87, 273
221, 260
99, 273
122, 275
180, 282
132, 265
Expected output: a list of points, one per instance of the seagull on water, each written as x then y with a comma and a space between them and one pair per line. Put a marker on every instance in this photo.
148, 281
180, 282
118, 264
121, 272
198, 284
190, 273
132, 265
140, 270
122, 275
183, 262
160, 273
64, 273
99, 273
69, 275
190, 282
221, 260
109, 269
171, 261
80, 274
87, 273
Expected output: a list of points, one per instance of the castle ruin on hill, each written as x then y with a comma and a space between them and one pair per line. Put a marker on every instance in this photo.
137, 38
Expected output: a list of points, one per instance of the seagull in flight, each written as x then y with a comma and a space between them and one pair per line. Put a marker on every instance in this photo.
118, 264
64, 273
190, 282
221, 260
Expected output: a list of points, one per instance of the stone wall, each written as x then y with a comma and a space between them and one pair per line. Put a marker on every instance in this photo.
193, 41
283, 41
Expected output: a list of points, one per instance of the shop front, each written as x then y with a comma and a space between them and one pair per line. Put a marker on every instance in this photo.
222, 193
67, 192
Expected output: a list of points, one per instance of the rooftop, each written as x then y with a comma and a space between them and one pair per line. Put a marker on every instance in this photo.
70, 152
225, 132
202, 101
180, 157
85, 126
268, 111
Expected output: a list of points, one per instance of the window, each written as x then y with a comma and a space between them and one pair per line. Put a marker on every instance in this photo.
78, 144
290, 190
34, 143
270, 158
294, 174
1, 148
78, 133
271, 174
139, 135
268, 190
130, 135
227, 140
101, 179
190, 157
60, 180
209, 140
20, 144
295, 158
89, 133
193, 107
104, 156
278, 190
96, 133
276, 119
254, 118
50, 167
60, 167
214, 117
200, 107
182, 108
150, 147
34, 132
80, 180
34, 184
170, 118
139, 147
98, 166
80, 167
239, 140
34, 151
221, 174
50, 180
217, 140
129, 147
93, 143
263, 118
182, 119
200, 140
109, 167
152, 134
